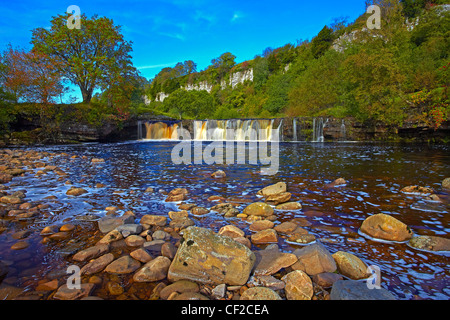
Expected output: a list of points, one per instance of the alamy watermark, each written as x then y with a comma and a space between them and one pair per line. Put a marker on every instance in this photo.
374, 21
74, 21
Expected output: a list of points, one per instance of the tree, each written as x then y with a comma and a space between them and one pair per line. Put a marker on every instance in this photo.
191, 104
224, 63
32, 76
92, 57
321, 43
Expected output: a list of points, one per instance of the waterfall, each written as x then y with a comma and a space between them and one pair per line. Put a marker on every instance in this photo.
160, 131
216, 130
294, 129
343, 131
318, 126
139, 130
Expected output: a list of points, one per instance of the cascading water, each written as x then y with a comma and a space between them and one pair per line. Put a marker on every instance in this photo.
160, 131
343, 131
294, 130
233, 130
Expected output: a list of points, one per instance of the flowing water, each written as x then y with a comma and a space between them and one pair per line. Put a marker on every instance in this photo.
375, 174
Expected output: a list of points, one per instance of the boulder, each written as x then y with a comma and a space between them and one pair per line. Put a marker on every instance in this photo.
231, 231
265, 236
178, 194
298, 286
258, 209
153, 270
314, 259
91, 253
417, 190
289, 206
260, 293
179, 287
76, 192
326, 279
386, 227
286, 227
97, 265
123, 265
273, 189
276, 199
219, 174
206, 257
350, 265
270, 261
109, 223
446, 183
430, 243
261, 225
358, 290
154, 220
66, 293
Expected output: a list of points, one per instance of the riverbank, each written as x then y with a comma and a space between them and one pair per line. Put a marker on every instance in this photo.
130, 234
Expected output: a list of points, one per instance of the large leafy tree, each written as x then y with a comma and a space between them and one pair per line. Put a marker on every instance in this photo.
93, 57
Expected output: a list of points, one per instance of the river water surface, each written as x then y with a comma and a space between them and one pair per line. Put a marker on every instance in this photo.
375, 174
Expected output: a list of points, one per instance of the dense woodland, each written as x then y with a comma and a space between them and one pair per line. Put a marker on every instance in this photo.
395, 74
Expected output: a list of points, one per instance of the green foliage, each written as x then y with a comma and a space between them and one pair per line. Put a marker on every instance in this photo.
323, 41
189, 104
6, 110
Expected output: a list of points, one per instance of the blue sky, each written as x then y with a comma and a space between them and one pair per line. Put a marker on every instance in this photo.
165, 32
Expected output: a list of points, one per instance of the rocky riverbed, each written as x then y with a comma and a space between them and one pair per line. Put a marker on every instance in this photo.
192, 245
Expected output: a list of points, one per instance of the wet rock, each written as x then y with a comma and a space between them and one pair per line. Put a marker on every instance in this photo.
123, 265
97, 160
339, 182
109, 223
154, 245
417, 190
91, 253
154, 220
168, 250
111, 237
231, 231
21, 234
153, 270
446, 183
219, 291
5, 177
261, 225
289, 206
276, 199
178, 214
160, 235
302, 238
270, 261
267, 281
182, 223
134, 241
358, 290
298, 286
272, 189
326, 279
258, 209
76, 192
314, 259
226, 209
129, 229
286, 227
219, 174
48, 286
350, 265
10, 200
97, 265
386, 227
64, 293
20, 245
210, 258
176, 195
260, 293
181, 286
67, 227
430, 243
141, 255
265, 236
199, 211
